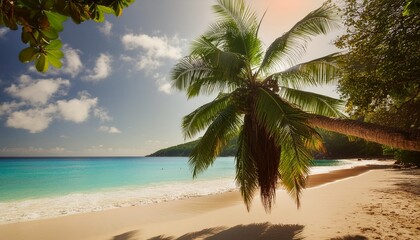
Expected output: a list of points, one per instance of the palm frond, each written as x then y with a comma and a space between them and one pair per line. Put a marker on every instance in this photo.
288, 127
246, 169
224, 127
287, 49
203, 116
196, 76
317, 72
236, 30
279, 117
313, 103
295, 164
228, 63
236, 11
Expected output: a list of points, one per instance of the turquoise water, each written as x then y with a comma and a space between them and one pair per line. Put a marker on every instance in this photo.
32, 178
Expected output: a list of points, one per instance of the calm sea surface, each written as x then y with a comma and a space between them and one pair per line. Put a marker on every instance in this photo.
26, 178
37, 188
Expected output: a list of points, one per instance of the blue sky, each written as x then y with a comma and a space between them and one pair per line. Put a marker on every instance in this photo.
113, 96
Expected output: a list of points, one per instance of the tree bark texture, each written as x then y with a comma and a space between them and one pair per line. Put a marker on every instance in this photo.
397, 138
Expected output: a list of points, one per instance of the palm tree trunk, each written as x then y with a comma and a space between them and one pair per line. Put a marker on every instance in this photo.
398, 138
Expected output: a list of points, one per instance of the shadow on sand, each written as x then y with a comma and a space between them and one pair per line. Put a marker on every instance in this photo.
409, 183
262, 231
132, 235
351, 237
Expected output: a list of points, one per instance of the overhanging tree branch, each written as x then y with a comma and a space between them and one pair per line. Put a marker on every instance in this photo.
394, 137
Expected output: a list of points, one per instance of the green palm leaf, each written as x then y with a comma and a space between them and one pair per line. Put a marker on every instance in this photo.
294, 167
229, 64
279, 117
224, 127
288, 126
197, 76
203, 116
246, 169
317, 72
275, 140
312, 102
236, 12
288, 48
236, 30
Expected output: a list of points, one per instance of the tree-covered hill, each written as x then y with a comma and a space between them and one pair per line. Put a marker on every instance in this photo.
184, 150
337, 146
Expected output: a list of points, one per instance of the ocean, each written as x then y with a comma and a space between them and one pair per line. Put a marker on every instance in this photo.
34, 188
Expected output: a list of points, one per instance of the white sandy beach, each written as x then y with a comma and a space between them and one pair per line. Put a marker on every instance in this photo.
376, 204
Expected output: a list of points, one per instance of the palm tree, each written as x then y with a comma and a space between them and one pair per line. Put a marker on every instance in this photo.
259, 98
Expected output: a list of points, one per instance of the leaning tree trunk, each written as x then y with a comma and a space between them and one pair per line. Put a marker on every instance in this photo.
398, 138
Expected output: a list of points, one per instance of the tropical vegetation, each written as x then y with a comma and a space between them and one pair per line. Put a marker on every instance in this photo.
411, 7
381, 68
42, 21
260, 100
336, 146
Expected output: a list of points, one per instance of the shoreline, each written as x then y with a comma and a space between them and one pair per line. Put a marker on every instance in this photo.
334, 205
81, 203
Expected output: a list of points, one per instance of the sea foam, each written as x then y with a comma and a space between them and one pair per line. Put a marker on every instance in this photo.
32, 209
75, 203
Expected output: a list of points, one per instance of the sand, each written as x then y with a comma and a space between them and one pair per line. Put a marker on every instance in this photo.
360, 203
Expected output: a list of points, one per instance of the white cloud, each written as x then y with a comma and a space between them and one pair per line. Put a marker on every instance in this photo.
99, 150
148, 63
33, 151
34, 120
159, 47
37, 91
64, 136
106, 28
3, 31
8, 107
166, 88
163, 85
153, 49
108, 129
36, 111
102, 68
102, 114
76, 110
126, 58
72, 64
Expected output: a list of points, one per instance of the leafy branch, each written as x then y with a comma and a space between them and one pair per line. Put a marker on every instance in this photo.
42, 21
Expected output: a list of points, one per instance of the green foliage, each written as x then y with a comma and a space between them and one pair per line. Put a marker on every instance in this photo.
338, 146
381, 71
257, 101
403, 155
411, 7
185, 150
42, 21
335, 146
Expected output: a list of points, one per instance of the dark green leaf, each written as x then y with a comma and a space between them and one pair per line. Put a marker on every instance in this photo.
25, 37
50, 33
28, 54
41, 63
